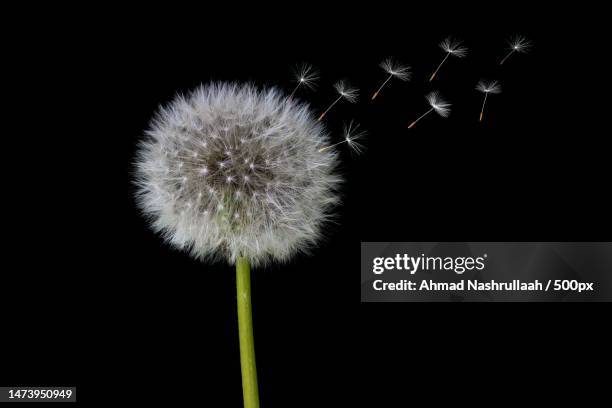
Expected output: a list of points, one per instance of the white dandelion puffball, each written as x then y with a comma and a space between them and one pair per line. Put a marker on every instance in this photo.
233, 171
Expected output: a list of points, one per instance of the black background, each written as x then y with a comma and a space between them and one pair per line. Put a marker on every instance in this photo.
92, 298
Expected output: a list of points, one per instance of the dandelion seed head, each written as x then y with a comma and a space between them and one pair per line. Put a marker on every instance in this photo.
401, 72
492, 87
265, 201
519, 43
306, 75
453, 47
441, 107
347, 91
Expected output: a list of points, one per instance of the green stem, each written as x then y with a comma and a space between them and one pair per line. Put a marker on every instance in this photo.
250, 393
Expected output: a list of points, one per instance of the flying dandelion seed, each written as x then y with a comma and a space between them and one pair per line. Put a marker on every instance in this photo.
351, 136
394, 69
345, 91
440, 106
516, 44
305, 75
451, 47
487, 87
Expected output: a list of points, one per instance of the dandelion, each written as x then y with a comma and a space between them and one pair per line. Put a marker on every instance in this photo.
258, 189
437, 104
487, 87
345, 91
516, 44
451, 47
351, 136
394, 69
305, 75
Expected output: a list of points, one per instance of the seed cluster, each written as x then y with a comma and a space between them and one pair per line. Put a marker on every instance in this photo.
232, 171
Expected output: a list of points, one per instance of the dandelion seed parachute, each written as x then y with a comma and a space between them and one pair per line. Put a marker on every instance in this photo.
437, 104
230, 171
394, 69
517, 43
451, 47
487, 87
454, 47
306, 76
351, 136
345, 91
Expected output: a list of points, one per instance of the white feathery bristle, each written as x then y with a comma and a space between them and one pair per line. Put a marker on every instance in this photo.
346, 91
519, 43
306, 75
401, 72
232, 171
492, 87
454, 47
352, 135
441, 107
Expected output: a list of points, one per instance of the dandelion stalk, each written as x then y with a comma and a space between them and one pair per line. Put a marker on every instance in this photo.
439, 66
250, 392
506, 57
294, 89
437, 104
394, 70
381, 87
483, 106
329, 147
420, 117
346, 92
451, 47
329, 108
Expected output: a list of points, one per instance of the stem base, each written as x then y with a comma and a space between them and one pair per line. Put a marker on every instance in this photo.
250, 392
